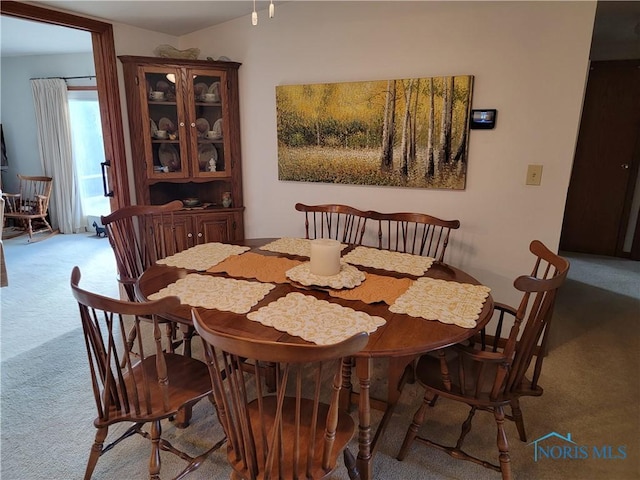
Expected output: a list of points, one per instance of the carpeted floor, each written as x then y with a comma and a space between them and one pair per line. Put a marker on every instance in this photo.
591, 381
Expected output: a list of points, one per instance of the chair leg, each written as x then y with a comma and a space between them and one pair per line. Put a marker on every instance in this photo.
517, 417
170, 332
154, 461
412, 432
347, 386
96, 451
503, 445
29, 228
466, 428
350, 463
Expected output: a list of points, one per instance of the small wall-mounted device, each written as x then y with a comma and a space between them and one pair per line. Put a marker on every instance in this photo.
483, 119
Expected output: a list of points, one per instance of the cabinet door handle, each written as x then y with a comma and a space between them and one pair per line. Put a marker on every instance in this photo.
200, 235
104, 165
182, 124
189, 235
193, 124
625, 166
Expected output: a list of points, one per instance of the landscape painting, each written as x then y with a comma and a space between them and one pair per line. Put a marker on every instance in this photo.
403, 133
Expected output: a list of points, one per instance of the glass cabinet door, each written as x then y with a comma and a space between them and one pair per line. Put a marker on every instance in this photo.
167, 128
208, 111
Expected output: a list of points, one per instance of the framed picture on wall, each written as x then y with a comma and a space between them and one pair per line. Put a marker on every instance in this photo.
404, 133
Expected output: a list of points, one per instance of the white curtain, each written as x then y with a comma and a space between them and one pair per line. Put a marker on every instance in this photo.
54, 141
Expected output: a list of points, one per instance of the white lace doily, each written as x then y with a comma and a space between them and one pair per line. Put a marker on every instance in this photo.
389, 260
203, 256
207, 291
442, 300
316, 321
348, 277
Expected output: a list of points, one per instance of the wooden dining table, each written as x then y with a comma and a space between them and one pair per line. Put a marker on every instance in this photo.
401, 340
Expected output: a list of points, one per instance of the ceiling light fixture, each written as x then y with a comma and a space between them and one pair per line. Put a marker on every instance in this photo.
254, 14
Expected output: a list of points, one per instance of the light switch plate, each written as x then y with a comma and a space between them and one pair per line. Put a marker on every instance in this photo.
534, 174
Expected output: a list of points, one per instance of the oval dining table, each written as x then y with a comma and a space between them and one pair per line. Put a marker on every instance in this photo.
401, 340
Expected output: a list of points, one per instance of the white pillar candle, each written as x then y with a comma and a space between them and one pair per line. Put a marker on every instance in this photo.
325, 257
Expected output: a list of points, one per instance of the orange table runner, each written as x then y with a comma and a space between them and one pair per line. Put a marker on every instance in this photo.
254, 265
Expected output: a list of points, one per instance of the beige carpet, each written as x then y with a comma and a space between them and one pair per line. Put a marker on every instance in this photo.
591, 381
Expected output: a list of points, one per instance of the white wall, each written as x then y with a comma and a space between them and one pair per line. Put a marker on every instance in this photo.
18, 114
529, 59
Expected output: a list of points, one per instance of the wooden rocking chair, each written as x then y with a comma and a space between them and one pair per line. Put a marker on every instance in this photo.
30, 204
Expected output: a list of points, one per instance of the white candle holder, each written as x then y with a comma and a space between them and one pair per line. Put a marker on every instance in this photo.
325, 257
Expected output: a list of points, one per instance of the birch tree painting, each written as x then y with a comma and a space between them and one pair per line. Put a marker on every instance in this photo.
403, 133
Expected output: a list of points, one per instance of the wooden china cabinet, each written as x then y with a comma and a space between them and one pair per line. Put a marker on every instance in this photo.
185, 140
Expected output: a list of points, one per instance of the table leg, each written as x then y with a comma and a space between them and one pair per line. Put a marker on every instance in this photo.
363, 371
396, 377
187, 335
184, 414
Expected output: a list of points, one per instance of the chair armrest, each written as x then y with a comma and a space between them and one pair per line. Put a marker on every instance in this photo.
502, 307
12, 202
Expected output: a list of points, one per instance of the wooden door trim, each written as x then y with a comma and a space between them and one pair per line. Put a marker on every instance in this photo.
104, 56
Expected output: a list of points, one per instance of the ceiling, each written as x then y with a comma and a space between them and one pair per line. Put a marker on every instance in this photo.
20, 37
615, 21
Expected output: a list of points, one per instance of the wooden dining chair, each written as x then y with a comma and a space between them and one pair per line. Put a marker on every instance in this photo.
140, 235
30, 205
490, 372
144, 388
339, 222
415, 233
290, 433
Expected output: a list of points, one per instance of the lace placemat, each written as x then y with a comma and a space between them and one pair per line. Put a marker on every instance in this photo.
254, 265
314, 320
388, 260
447, 302
203, 256
376, 288
348, 277
227, 294
290, 246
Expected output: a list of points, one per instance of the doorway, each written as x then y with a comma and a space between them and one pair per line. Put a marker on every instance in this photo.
605, 169
107, 85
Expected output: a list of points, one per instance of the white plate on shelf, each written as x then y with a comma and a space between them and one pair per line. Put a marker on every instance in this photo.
217, 129
206, 152
199, 89
163, 86
168, 156
202, 125
166, 124
154, 128
215, 90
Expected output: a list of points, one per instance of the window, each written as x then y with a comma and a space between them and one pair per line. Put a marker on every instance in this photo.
88, 150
